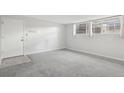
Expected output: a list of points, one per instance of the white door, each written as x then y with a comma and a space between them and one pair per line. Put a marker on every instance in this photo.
12, 34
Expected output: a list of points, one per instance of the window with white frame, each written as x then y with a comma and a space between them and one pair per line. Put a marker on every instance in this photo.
106, 26
81, 28
110, 25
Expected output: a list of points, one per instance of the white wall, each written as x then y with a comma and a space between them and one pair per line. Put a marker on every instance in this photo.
105, 45
43, 36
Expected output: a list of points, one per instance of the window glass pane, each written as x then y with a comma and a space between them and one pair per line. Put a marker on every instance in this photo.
82, 28
106, 26
97, 28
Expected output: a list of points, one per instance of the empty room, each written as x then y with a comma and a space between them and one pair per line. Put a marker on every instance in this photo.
61, 46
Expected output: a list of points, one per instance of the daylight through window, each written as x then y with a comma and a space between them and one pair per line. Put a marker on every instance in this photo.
104, 26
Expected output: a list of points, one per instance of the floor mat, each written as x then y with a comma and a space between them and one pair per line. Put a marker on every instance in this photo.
14, 61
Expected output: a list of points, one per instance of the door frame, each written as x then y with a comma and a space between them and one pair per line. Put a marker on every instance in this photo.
23, 36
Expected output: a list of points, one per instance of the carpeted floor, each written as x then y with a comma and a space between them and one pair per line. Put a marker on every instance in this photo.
64, 63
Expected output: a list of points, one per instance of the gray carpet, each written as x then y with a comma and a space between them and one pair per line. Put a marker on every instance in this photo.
64, 63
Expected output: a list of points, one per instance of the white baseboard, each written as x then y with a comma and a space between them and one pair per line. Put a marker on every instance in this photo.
99, 55
39, 51
35, 52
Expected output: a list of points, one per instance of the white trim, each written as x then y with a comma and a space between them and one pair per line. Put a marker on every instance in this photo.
39, 51
97, 54
74, 29
0, 43
122, 26
91, 30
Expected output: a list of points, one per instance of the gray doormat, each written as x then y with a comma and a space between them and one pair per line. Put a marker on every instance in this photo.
14, 61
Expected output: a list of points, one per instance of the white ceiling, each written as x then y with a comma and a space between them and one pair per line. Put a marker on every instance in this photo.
66, 19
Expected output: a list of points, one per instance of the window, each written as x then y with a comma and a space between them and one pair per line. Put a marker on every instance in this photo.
81, 28
106, 26
97, 28
110, 25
